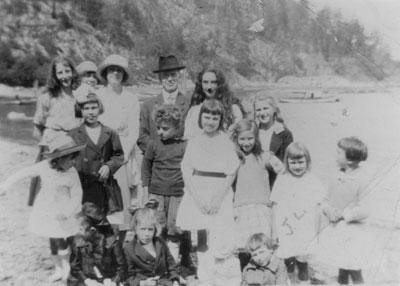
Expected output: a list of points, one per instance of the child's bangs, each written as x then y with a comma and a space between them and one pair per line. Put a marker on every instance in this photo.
212, 109
296, 154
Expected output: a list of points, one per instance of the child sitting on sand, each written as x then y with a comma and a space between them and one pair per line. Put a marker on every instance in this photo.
264, 267
149, 259
97, 257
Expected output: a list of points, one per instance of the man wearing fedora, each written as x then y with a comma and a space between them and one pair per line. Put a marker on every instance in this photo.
168, 73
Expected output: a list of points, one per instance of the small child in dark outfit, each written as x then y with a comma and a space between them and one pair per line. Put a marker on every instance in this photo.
97, 257
161, 172
264, 267
149, 259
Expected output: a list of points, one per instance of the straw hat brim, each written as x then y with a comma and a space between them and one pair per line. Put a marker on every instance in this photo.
64, 152
102, 68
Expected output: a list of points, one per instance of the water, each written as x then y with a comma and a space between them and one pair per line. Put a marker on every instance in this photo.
19, 131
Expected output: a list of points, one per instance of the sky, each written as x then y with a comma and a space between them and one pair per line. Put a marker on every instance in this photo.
376, 15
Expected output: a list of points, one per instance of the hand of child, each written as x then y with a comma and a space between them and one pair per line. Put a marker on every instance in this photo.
175, 283
201, 205
332, 214
104, 173
108, 282
214, 205
60, 216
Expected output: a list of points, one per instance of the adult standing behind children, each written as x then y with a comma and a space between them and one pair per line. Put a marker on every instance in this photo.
274, 135
121, 113
55, 110
169, 75
211, 83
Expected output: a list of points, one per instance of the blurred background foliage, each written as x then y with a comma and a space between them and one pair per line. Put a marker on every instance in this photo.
262, 40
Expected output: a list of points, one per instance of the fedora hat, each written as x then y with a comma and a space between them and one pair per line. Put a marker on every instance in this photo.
113, 60
62, 145
86, 66
168, 63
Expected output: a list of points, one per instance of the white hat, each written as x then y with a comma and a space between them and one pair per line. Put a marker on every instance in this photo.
62, 145
113, 60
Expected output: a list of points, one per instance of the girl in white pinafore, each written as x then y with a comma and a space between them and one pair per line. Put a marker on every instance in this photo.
58, 202
209, 167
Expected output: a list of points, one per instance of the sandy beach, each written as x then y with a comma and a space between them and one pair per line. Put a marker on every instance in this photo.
373, 116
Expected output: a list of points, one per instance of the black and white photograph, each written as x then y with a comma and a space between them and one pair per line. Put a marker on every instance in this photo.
199, 142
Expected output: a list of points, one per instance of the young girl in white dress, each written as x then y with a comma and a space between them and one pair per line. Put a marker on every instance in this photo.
252, 205
209, 168
296, 196
342, 242
58, 202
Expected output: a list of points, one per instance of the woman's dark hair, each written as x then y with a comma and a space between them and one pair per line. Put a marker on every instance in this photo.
54, 86
223, 94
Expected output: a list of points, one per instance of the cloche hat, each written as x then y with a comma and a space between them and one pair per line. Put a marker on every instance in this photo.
168, 63
113, 60
62, 145
86, 66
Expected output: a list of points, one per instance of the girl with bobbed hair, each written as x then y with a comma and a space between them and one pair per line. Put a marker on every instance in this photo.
211, 84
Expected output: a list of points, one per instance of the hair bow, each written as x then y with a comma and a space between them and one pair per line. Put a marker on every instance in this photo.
151, 204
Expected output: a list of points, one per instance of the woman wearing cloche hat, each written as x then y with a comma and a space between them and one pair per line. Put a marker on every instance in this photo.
59, 200
122, 111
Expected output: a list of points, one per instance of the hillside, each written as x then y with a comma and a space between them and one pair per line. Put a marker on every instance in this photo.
262, 40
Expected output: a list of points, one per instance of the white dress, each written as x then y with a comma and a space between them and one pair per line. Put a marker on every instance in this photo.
121, 113
295, 212
217, 155
60, 194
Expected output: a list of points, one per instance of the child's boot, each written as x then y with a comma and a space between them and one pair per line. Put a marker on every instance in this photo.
64, 259
58, 273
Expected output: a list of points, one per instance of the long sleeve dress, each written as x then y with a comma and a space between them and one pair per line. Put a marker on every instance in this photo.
121, 113
344, 244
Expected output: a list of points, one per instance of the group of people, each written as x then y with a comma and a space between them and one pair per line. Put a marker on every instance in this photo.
201, 186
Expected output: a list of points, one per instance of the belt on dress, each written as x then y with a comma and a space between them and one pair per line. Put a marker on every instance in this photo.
208, 174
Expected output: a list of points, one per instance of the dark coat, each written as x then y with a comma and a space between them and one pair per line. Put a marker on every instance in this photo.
142, 265
148, 128
279, 142
103, 253
108, 151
